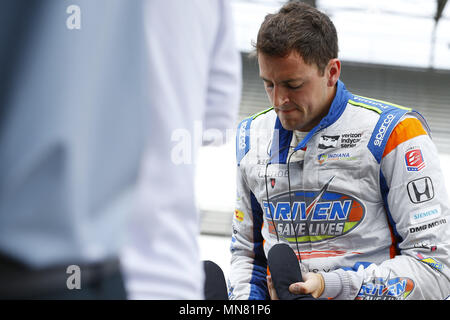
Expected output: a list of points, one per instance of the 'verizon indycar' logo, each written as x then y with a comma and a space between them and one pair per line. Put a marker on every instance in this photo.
316, 215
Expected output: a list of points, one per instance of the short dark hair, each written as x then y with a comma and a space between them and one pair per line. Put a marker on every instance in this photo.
300, 27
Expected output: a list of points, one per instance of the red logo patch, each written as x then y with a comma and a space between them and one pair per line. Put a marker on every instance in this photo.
414, 160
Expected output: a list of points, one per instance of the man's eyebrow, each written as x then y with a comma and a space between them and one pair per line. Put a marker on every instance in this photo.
284, 81
292, 80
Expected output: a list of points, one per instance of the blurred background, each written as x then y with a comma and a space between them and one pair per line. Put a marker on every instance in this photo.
393, 50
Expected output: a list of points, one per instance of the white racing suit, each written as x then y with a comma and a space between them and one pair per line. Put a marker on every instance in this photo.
367, 205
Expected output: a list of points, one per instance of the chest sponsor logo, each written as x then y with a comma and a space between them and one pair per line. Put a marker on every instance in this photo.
386, 289
344, 156
315, 215
346, 140
327, 142
414, 160
349, 140
420, 190
273, 173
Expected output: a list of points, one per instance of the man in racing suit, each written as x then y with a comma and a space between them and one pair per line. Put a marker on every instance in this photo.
352, 184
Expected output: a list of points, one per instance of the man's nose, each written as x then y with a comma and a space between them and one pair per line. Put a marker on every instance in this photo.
279, 96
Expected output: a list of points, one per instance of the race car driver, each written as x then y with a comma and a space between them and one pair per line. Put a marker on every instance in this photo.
352, 184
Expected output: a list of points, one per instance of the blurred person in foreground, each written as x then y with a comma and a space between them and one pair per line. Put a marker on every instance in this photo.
90, 94
198, 72
352, 184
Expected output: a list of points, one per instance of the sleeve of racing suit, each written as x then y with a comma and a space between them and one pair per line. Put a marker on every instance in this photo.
247, 279
413, 187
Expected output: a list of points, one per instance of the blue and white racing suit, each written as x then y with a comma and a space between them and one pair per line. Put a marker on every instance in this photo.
367, 205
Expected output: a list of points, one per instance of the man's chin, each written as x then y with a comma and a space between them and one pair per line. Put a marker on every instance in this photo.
289, 125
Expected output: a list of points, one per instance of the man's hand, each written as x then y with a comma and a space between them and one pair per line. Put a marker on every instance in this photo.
313, 285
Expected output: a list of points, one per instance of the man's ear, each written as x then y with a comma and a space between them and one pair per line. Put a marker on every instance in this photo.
333, 71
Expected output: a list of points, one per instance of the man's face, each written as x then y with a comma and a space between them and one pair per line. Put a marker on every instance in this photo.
300, 95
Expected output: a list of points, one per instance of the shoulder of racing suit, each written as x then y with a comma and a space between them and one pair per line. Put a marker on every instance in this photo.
261, 119
390, 115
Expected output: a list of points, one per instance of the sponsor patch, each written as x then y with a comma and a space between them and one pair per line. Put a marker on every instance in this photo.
427, 226
272, 173
426, 245
386, 289
349, 140
383, 128
343, 156
345, 141
431, 262
327, 142
243, 128
420, 190
425, 214
414, 159
239, 215
243, 139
